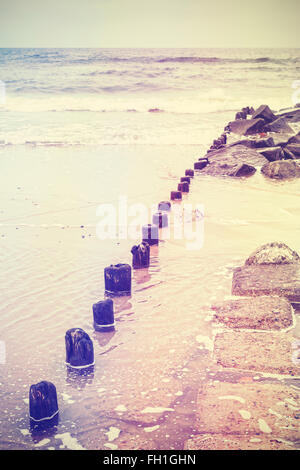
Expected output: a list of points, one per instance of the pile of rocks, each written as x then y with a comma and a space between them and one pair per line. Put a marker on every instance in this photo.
255, 339
269, 142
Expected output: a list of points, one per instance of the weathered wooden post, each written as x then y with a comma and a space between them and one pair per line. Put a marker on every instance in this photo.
79, 349
176, 195
140, 255
150, 234
183, 187
118, 279
160, 219
103, 313
185, 179
164, 206
201, 163
43, 405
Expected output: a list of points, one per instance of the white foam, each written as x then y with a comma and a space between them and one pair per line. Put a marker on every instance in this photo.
263, 426
245, 414
232, 397
42, 443
151, 428
157, 409
113, 433
208, 342
69, 442
111, 446
121, 408
67, 398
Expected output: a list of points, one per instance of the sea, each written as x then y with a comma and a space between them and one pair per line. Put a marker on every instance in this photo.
88, 132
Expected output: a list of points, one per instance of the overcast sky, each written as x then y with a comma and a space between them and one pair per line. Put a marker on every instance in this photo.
149, 23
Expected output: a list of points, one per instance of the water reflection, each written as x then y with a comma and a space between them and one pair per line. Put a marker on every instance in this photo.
79, 378
103, 338
140, 276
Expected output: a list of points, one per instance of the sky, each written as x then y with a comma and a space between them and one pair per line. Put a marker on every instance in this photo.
149, 23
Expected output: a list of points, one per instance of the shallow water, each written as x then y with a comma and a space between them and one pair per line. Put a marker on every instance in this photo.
76, 133
160, 352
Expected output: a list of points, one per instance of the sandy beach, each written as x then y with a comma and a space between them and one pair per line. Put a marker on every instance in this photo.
143, 392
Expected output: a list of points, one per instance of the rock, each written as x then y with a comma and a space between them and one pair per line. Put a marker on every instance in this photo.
241, 115
242, 170
258, 410
261, 313
217, 143
79, 349
263, 143
246, 126
155, 110
223, 138
236, 442
272, 153
234, 161
281, 138
287, 155
251, 143
279, 125
295, 139
294, 149
200, 165
264, 112
268, 279
259, 351
247, 110
273, 253
291, 115
283, 169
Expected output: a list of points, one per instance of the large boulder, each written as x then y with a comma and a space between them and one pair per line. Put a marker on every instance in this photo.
279, 125
287, 154
282, 169
242, 169
257, 143
291, 115
268, 279
273, 253
261, 143
234, 161
260, 313
246, 126
272, 153
295, 139
264, 112
294, 148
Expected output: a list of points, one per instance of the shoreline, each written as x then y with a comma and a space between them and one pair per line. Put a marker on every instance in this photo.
134, 417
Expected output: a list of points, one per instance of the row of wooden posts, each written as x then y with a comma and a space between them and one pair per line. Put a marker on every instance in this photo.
43, 405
